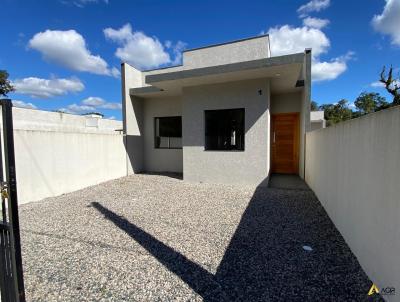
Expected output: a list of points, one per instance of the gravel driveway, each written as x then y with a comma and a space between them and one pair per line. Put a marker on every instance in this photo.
158, 238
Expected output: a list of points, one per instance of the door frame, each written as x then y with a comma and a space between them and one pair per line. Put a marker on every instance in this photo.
296, 144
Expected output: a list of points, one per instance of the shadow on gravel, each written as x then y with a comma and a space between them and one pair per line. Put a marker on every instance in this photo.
265, 260
175, 175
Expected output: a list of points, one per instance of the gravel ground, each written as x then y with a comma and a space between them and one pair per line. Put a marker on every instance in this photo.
157, 238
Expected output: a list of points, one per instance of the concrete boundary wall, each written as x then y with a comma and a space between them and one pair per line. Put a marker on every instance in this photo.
354, 169
57, 153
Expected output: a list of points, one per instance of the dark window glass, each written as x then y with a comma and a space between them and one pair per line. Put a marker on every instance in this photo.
168, 132
224, 129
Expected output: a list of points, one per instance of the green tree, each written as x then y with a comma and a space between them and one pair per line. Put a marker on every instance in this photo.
5, 85
314, 106
355, 114
368, 102
335, 113
392, 85
382, 103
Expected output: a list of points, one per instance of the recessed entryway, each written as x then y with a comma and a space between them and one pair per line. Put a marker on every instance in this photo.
285, 143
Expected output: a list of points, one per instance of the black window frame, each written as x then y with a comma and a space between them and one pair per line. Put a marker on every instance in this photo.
243, 145
155, 131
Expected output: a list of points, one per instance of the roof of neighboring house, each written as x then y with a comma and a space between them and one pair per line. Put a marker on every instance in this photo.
317, 116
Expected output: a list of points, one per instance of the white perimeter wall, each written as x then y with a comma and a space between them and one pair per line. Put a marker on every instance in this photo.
68, 156
354, 169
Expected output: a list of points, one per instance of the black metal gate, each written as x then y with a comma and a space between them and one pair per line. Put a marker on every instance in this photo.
11, 275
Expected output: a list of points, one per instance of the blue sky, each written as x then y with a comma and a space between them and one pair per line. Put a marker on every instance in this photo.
65, 54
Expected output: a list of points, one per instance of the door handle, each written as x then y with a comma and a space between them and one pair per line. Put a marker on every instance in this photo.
274, 138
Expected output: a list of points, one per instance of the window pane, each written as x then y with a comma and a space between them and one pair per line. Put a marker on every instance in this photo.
175, 142
163, 142
170, 126
168, 132
224, 129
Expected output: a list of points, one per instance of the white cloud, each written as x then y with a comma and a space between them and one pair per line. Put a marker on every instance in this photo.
168, 44
288, 40
177, 50
22, 104
112, 106
93, 101
140, 50
388, 22
75, 108
119, 35
115, 72
91, 104
97, 102
137, 48
68, 48
47, 88
315, 22
377, 84
313, 6
325, 71
82, 3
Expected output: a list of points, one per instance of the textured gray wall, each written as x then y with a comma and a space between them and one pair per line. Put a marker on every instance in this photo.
240, 51
134, 135
286, 103
132, 112
160, 160
250, 167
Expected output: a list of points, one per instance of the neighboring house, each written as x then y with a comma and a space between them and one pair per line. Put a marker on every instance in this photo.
41, 120
231, 113
317, 120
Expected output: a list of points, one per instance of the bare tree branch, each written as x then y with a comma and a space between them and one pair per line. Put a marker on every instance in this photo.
391, 85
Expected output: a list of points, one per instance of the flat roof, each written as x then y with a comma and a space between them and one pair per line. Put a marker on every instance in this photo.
161, 68
219, 69
146, 89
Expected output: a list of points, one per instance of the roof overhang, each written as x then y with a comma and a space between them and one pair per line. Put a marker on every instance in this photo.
285, 73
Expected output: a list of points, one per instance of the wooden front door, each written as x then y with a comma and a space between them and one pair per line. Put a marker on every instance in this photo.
285, 143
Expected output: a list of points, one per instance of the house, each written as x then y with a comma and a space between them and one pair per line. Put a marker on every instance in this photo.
231, 113
317, 120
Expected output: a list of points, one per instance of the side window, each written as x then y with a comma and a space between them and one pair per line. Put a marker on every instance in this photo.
168, 132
